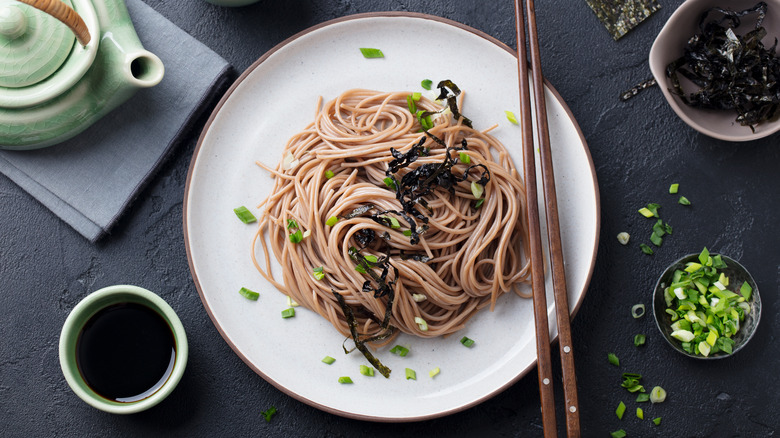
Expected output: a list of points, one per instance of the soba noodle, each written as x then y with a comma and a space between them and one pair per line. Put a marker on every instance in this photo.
476, 254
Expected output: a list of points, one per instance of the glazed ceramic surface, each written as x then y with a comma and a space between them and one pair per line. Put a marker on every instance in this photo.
52, 87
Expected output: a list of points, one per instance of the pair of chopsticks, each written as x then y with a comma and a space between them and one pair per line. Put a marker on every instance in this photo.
553, 234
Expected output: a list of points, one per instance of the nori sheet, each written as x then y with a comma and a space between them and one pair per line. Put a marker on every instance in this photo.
620, 16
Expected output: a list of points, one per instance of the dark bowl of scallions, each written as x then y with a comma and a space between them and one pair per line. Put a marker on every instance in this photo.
706, 305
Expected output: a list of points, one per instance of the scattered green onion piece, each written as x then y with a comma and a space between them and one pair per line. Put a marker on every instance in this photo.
288, 313
639, 340
653, 207
411, 374
306, 233
371, 259
400, 350
620, 433
623, 238
673, 188
646, 249
390, 183
331, 221
371, 52
479, 203
746, 291
268, 413
329, 174
248, 294
366, 371
394, 224
656, 239
345, 379
645, 212
245, 215
292, 224
416, 96
426, 83
328, 360
684, 201
638, 310
318, 273
432, 373
466, 341
361, 269
418, 298
291, 302
657, 395
410, 104
421, 323
613, 359
657, 421
477, 190
640, 413
511, 117
296, 237
465, 158
643, 397
621, 409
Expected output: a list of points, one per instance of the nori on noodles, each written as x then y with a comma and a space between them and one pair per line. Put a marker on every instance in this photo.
620, 16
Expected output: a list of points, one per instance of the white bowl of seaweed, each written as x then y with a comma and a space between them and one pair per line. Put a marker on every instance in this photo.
716, 65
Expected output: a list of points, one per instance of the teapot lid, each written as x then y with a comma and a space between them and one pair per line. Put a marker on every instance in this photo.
33, 44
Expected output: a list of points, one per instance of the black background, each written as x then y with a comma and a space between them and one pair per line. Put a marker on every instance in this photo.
639, 148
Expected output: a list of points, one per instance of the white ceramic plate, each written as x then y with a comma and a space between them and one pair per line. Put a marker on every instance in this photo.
276, 98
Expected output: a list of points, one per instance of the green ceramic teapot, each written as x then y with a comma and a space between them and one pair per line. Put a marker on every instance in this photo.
64, 65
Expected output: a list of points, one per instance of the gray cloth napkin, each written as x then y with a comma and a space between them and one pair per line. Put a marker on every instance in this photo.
89, 180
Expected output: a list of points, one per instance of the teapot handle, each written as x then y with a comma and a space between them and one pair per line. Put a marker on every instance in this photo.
65, 14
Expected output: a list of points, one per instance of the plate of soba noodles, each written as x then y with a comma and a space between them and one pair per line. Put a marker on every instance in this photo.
355, 218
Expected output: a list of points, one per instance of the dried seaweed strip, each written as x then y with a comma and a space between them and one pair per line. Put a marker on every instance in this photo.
620, 16
633, 91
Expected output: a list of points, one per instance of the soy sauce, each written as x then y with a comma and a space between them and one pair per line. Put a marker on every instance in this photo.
126, 352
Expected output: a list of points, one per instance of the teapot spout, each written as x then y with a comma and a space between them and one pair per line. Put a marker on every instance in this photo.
143, 69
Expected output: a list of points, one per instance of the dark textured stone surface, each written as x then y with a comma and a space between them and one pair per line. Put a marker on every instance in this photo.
638, 148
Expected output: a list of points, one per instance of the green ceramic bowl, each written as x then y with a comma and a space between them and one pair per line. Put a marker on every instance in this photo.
88, 307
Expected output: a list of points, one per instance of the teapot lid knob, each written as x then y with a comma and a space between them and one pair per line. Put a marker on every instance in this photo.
13, 22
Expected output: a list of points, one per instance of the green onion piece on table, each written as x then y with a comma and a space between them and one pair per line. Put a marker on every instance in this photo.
639, 340
466, 341
511, 117
399, 350
673, 188
621, 409
249, 294
345, 379
245, 215
623, 238
366, 371
328, 360
684, 201
620, 433
643, 397
411, 374
646, 249
657, 395
426, 83
640, 413
432, 373
369, 52
613, 359
657, 421
638, 310
288, 313
267, 414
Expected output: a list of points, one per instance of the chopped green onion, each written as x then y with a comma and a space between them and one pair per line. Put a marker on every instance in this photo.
638, 310
390, 183
426, 83
292, 224
371, 259
291, 302
318, 273
639, 340
465, 158
416, 96
466, 341
421, 323
410, 104
400, 350
656, 239
657, 395
268, 413
328, 360
331, 221
288, 313
646, 249
645, 212
411, 374
673, 188
432, 373
479, 203
245, 215
746, 291
657, 421
640, 413
361, 269
407, 233
329, 174
623, 238
306, 233
511, 117
620, 433
621, 409
296, 237
366, 371
345, 379
613, 359
643, 397
684, 201
418, 298
371, 53
248, 294
477, 190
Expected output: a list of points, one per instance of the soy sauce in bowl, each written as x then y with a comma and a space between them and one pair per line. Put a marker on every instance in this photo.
126, 352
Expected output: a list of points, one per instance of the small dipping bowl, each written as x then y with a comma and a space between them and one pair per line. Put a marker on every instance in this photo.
737, 274
83, 313
670, 45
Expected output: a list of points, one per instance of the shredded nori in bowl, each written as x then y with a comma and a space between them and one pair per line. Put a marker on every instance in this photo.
732, 72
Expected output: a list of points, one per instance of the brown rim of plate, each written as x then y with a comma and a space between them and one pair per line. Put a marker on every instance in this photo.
227, 95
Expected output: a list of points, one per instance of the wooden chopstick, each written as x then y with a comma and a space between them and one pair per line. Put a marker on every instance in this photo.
553, 234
